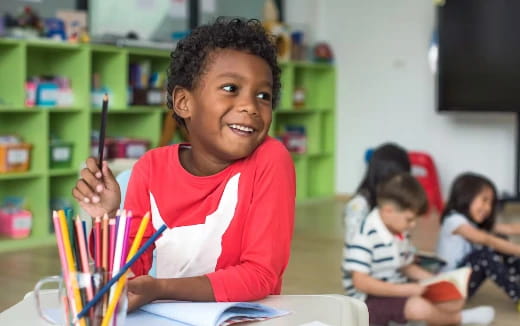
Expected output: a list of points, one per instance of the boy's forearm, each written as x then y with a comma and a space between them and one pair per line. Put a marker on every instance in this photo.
186, 289
415, 272
373, 286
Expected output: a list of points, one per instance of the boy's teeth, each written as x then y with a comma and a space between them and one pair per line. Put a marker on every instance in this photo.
242, 128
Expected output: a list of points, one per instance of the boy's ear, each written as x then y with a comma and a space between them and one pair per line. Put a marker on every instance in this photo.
181, 99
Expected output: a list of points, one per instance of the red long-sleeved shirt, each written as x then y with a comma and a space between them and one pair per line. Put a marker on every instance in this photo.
240, 238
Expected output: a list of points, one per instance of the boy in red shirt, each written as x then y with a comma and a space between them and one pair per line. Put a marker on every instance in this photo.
228, 196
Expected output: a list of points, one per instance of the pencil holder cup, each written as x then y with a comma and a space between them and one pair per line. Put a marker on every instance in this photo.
62, 305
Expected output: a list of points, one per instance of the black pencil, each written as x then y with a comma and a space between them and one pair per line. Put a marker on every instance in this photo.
101, 144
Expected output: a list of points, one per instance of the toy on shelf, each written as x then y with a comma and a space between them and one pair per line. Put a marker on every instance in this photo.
146, 87
295, 139
280, 31
323, 53
48, 91
299, 97
298, 47
15, 221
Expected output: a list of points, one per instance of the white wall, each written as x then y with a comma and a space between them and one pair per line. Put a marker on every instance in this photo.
385, 91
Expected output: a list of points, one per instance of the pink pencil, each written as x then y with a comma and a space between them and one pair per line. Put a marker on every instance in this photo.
83, 253
63, 258
111, 244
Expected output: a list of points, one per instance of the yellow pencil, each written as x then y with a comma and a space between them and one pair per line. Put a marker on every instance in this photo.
138, 237
121, 282
113, 303
70, 264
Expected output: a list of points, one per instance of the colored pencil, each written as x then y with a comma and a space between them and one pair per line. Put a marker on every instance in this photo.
123, 270
61, 253
97, 242
124, 250
120, 238
104, 256
111, 244
104, 244
70, 264
102, 131
72, 235
113, 301
83, 254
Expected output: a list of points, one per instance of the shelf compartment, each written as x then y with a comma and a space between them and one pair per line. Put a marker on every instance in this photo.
60, 187
318, 84
33, 129
112, 67
61, 60
310, 121
144, 125
34, 192
73, 128
12, 78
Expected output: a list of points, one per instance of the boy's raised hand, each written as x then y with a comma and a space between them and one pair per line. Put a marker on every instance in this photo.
97, 191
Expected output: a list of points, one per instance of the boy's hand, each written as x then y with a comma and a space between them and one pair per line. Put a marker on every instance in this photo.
97, 192
141, 290
412, 289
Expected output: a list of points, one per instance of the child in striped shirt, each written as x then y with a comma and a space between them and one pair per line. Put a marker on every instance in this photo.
379, 266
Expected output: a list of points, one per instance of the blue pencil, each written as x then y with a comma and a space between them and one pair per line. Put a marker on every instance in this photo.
123, 270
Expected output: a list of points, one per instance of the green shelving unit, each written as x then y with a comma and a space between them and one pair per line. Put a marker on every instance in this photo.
315, 167
22, 59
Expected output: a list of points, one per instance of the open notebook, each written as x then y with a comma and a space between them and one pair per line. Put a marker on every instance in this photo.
200, 313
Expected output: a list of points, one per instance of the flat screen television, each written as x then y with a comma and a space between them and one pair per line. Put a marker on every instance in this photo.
479, 56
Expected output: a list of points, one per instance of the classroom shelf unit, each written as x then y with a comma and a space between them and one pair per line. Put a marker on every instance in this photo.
41, 184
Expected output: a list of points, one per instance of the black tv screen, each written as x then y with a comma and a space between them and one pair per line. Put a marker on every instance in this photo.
479, 55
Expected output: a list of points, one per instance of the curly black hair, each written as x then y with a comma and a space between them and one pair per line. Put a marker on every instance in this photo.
189, 59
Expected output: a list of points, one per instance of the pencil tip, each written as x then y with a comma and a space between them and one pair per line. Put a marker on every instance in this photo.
105, 97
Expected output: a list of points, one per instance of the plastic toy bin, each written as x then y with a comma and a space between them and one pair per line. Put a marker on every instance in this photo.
15, 157
60, 154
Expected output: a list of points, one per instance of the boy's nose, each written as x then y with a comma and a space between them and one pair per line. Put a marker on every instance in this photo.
249, 107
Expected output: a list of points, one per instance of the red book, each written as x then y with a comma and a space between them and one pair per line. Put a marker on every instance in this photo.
447, 286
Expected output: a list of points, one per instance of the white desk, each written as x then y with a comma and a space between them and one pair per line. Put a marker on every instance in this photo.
332, 309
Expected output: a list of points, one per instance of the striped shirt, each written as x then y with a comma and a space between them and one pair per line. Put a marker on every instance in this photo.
377, 252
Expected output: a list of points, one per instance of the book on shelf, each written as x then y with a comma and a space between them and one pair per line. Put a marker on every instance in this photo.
176, 313
447, 286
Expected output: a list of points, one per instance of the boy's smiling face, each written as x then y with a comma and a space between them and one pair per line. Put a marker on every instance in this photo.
229, 111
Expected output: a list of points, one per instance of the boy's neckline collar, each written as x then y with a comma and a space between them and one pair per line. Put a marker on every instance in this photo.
380, 227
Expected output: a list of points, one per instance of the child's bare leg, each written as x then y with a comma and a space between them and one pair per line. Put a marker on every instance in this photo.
418, 308
451, 306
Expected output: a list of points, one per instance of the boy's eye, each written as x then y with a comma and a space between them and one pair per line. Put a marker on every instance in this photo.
229, 88
264, 96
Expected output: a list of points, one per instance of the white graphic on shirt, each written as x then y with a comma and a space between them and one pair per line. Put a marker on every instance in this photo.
193, 250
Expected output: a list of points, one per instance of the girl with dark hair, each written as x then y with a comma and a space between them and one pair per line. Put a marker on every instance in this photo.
387, 160
466, 237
